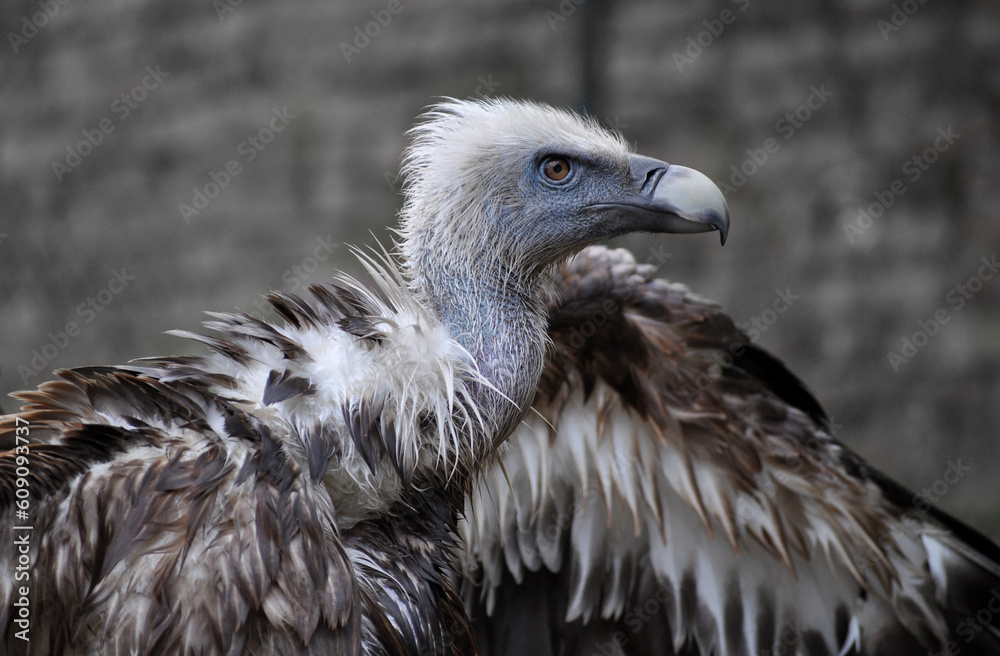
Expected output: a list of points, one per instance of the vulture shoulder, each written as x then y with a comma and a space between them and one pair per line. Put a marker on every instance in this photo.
676, 491
255, 499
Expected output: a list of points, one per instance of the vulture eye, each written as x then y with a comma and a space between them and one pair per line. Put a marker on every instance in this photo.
556, 169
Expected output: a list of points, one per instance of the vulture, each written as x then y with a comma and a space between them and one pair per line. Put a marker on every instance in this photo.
513, 442
297, 489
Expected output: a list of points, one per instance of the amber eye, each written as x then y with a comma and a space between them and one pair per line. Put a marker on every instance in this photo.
556, 169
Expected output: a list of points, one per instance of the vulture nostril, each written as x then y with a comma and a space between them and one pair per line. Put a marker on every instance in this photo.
651, 176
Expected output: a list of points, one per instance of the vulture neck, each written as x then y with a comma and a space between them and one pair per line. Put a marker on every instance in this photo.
499, 318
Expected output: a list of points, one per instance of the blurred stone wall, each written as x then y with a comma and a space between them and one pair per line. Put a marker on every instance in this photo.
857, 141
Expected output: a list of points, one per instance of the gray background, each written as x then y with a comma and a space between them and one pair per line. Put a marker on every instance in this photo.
330, 175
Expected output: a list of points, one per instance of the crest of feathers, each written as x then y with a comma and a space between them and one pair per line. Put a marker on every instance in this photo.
353, 373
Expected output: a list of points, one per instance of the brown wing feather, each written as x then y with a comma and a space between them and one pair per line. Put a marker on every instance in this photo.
683, 496
179, 505
143, 540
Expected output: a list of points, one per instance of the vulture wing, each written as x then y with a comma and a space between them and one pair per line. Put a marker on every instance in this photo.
160, 518
217, 504
677, 492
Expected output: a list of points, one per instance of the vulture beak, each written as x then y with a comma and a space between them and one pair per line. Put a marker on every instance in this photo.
671, 198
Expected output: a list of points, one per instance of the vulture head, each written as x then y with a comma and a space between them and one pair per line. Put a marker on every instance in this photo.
522, 186
498, 192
